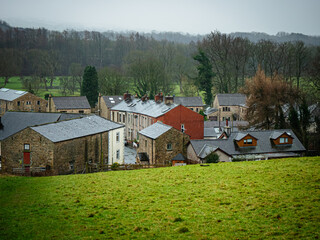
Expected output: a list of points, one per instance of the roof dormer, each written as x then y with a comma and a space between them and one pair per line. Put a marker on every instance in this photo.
280, 138
245, 140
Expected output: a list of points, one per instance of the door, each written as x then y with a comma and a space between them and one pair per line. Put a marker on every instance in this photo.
26, 158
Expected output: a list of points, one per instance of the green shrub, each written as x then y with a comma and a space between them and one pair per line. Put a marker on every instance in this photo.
115, 166
212, 158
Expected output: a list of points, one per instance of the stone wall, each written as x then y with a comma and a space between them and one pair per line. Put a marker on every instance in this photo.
78, 151
28, 102
59, 156
41, 150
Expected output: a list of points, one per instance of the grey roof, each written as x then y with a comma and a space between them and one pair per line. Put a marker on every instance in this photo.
210, 110
229, 99
211, 132
188, 101
264, 144
155, 130
10, 94
148, 108
179, 157
210, 124
75, 128
206, 150
14, 122
80, 102
276, 134
240, 135
112, 100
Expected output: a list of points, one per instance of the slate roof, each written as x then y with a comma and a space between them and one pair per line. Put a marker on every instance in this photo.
277, 134
179, 157
148, 108
211, 132
229, 99
76, 128
210, 124
210, 110
188, 101
80, 102
264, 144
10, 94
155, 130
112, 100
14, 122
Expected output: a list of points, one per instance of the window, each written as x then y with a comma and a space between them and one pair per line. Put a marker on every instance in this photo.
38, 102
182, 128
191, 109
18, 103
283, 140
26, 147
71, 165
81, 111
169, 147
145, 143
28, 102
120, 117
118, 137
226, 109
197, 109
249, 141
118, 154
124, 118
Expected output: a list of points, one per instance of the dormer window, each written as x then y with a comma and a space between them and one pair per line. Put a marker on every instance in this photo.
247, 141
284, 140
281, 138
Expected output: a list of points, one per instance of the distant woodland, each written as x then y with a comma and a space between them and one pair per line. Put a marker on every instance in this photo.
156, 61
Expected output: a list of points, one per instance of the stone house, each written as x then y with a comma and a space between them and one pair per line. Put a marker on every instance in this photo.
138, 114
160, 143
105, 103
13, 100
78, 104
249, 145
228, 107
64, 146
193, 103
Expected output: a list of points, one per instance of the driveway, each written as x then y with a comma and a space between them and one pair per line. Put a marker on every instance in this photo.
129, 155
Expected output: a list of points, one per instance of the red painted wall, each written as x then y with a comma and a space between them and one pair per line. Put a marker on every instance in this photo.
193, 122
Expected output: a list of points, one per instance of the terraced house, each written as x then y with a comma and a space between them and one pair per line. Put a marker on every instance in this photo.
14, 100
138, 114
64, 147
249, 145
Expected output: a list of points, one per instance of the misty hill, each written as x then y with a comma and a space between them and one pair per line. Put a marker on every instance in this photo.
186, 38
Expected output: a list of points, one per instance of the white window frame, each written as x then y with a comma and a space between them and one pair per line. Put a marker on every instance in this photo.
182, 128
118, 136
118, 154
169, 146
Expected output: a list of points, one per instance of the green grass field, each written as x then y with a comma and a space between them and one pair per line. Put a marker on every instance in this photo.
274, 199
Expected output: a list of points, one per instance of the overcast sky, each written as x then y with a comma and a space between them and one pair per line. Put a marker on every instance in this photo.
187, 16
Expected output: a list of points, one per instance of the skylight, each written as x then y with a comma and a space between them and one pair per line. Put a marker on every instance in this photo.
113, 101
110, 98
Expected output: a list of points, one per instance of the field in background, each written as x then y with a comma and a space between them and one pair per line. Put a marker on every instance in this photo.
274, 199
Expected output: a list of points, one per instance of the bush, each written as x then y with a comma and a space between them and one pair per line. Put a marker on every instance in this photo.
212, 158
115, 166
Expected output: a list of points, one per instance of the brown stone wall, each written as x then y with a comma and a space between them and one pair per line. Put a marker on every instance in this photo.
58, 156
149, 148
104, 110
78, 151
41, 150
27, 102
179, 145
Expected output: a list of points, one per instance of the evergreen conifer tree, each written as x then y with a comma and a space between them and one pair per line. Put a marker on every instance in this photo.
89, 87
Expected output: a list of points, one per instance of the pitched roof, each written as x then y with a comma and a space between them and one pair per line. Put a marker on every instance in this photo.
148, 108
210, 124
211, 132
264, 144
188, 101
276, 134
14, 122
70, 129
155, 130
80, 102
112, 100
235, 99
179, 157
10, 94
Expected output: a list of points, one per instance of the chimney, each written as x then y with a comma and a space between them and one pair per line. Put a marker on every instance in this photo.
49, 102
158, 98
127, 96
1, 125
227, 129
168, 100
144, 98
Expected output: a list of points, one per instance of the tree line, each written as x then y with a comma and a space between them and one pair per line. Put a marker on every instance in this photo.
38, 55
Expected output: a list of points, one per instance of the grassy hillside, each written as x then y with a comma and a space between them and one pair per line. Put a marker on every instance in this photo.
275, 199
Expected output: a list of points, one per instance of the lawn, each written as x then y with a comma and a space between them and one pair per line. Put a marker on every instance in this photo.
274, 199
